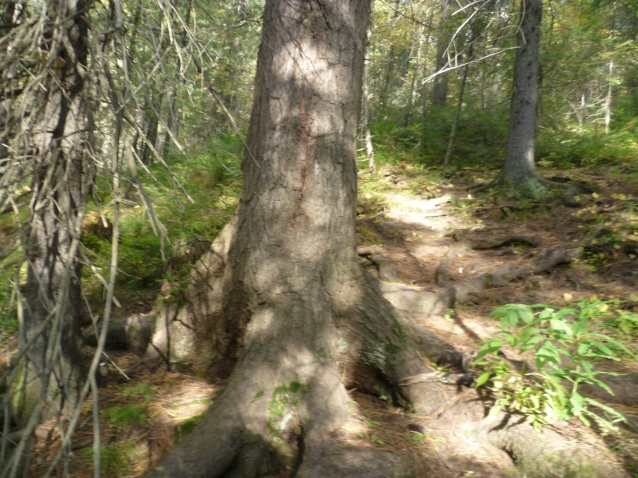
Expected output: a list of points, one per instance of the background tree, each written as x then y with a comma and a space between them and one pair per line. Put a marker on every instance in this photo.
164, 89
58, 63
519, 174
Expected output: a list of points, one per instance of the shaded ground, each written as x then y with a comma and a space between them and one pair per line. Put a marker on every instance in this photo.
143, 415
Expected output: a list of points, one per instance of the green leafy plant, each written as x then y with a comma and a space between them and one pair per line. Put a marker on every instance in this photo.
564, 348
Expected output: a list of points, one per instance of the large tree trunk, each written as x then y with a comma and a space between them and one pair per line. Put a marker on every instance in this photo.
518, 174
297, 311
53, 368
281, 294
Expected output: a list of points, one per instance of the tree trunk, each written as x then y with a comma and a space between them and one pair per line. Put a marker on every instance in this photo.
608, 99
372, 167
54, 366
459, 107
297, 313
518, 175
408, 114
439, 91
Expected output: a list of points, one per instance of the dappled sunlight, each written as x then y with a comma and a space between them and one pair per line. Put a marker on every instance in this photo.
140, 421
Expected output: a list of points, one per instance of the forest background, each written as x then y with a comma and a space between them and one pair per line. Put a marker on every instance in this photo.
170, 87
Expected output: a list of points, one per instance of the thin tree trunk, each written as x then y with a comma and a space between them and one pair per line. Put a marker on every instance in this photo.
483, 81
608, 99
424, 90
440, 89
366, 122
387, 77
408, 114
459, 107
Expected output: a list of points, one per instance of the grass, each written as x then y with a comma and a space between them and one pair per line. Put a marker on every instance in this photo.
113, 460
126, 415
211, 179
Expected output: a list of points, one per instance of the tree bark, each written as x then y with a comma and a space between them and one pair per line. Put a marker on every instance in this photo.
53, 369
372, 167
608, 98
415, 73
518, 175
457, 116
440, 88
298, 314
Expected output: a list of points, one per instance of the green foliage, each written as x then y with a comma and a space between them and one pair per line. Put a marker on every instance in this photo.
567, 149
564, 348
10, 327
285, 398
480, 138
143, 390
126, 415
113, 460
212, 179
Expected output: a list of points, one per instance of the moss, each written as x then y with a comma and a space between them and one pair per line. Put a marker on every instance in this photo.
25, 396
546, 465
529, 188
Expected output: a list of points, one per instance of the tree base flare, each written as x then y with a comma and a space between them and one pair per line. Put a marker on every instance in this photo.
285, 406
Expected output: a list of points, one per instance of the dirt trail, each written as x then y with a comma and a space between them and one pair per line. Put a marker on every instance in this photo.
416, 234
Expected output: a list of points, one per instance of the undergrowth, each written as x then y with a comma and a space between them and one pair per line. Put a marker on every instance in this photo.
565, 345
212, 179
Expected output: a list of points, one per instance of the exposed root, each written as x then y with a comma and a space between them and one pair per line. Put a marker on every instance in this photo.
285, 406
533, 186
443, 273
549, 453
503, 241
133, 333
387, 269
354, 462
415, 303
480, 187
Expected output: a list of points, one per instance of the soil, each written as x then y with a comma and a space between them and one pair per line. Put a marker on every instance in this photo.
414, 232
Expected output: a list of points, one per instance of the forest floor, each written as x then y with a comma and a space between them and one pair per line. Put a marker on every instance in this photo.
145, 414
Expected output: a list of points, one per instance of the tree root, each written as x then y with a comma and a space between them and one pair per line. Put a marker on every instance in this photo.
550, 453
285, 405
443, 275
133, 333
415, 303
503, 241
387, 269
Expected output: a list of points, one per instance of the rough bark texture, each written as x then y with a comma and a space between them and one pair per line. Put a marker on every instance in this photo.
298, 313
518, 174
54, 365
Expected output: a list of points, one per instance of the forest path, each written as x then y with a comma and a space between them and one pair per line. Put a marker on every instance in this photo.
415, 233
